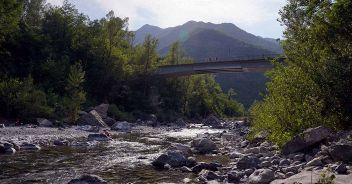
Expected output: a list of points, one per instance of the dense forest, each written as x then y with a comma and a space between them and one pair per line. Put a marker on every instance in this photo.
55, 61
314, 87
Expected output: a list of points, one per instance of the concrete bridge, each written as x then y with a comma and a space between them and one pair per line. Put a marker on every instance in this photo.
229, 65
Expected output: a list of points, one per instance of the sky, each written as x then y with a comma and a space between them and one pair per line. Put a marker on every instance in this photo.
258, 17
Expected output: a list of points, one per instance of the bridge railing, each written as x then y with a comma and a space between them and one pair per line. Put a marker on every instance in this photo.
243, 58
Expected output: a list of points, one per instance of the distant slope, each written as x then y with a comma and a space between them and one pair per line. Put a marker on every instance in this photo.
204, 43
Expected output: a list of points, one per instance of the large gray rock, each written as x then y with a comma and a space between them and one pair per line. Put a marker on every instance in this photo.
261, 176
213, 121
44, 122
248, 162
341, 153
98, 137
341, 169
2, 148
28, 146
315, 162
10, 151
233, 177
184, 149
102, 110
88, 179
206, 166
123, 126
92, 118
173, 158
204, 145
308, 177
305, 139
209, 175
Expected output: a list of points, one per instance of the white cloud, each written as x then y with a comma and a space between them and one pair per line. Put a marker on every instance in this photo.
167, 13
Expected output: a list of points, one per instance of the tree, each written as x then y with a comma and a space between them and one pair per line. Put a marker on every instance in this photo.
9, 17
75, 94
314, 88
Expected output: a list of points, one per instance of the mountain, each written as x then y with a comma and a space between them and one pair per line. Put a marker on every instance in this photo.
183, 32
202, 40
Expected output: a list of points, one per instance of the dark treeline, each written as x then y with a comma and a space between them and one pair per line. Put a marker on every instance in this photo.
55, 61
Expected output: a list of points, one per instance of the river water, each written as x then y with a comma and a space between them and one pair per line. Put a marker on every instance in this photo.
126, 159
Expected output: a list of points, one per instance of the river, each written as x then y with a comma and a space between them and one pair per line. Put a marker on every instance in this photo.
126, 159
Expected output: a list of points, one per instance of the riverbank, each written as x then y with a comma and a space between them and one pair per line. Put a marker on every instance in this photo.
196, 154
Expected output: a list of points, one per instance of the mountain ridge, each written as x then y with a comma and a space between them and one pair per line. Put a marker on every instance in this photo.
181, 33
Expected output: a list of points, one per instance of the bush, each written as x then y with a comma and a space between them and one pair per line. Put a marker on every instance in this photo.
115, 113
292, 105
21, 99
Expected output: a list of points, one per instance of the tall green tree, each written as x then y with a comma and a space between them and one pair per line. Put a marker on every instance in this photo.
314, 88
75, 93
10, 14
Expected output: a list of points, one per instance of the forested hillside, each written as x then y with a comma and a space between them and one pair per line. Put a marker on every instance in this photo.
55, 61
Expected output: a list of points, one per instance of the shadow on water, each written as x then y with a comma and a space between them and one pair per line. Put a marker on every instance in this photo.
124, 160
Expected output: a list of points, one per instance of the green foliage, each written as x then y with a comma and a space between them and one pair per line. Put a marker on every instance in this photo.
75, 94
115, 113
49, 44
325, 179
9, 17
19, 98
314, 88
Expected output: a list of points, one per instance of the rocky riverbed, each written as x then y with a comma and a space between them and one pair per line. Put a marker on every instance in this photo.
196, 154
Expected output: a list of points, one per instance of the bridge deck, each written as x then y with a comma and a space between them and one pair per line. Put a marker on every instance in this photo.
228, 66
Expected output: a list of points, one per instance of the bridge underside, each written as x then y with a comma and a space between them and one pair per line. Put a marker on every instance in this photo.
236, 66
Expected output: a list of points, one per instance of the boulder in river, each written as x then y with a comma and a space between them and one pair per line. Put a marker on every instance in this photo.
248, 162
206, 166
88, 179
261, 176
98, 137
305, 139
60, 142
8, 147
186, 150
209, 175
44, 122
234, 177
31, 147
173, 158
213, 121
123, 126
92, 118
204, 145
10, 151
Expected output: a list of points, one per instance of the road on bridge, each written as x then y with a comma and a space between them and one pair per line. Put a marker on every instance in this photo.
231, 65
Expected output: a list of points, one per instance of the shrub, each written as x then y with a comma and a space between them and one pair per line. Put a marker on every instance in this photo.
115, 113
19, 98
